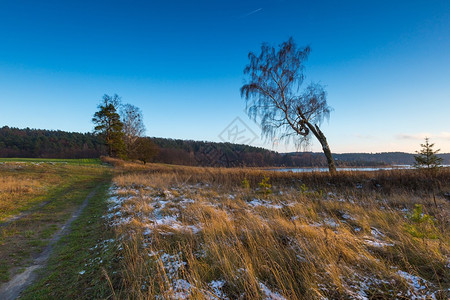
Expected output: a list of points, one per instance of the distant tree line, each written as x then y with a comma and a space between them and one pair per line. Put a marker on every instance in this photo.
28, 142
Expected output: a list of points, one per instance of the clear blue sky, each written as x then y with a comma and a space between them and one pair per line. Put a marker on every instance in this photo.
385, 65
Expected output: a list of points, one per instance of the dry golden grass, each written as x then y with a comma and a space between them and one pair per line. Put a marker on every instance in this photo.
35, 200
24, 184
197, 233
20, 185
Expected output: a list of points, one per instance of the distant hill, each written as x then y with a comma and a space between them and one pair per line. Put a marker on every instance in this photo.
15, 142
374, 159
38, 143
390, 158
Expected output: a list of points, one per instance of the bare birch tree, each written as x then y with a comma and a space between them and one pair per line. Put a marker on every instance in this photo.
272, 94
133, 125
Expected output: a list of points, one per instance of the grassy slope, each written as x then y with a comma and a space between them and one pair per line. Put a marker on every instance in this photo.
62, 188
81, 161
316, 235
87, 259
37, 182
76, 269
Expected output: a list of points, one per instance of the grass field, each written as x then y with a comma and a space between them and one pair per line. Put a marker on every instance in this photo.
206, 233
80, 161
174, 232
27, 183
77, 268
36, 198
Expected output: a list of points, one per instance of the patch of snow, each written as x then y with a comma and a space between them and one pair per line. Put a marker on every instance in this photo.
181, 288
121, 221
377, 243
168, 195
270, 294
201, 253
166, 220
186, 201
358, 286
171, 264
414, 281
419, 287
331, 223
346, 216
376, 233
257, 202
216, 287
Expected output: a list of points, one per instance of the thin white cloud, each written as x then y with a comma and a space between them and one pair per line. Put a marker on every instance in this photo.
251, 13
420, 136
445, 135
364, 136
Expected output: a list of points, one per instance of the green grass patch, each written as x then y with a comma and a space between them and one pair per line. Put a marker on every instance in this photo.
78, 161
54, 182
4, 274
24, 238
76, 268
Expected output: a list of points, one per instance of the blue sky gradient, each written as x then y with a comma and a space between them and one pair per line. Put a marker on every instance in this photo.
385, 65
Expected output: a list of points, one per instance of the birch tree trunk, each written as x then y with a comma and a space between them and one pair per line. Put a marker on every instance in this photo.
326, 149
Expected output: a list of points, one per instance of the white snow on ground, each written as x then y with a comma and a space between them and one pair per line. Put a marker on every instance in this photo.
377, 239
164, 216
359, 286
270, 294
119, 197
216, 287
172, 264
377, 243
418, 287
346, 216
376, 233
330, 222
258, 202
181, 288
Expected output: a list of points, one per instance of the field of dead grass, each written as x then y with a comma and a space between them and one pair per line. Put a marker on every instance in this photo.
25, 184
208, 233
21, 186
36, 198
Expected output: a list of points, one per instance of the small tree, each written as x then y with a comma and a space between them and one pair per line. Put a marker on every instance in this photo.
109, 126
144, 150
426, 158
428, 161
275, 77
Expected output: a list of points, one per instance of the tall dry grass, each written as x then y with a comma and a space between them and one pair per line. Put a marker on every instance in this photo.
317, 235
24, 184
386, 181
16, 188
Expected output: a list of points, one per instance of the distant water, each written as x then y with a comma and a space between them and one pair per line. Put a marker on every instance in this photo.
366, 169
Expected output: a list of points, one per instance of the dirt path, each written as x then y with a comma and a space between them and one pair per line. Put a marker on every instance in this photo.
12, 289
